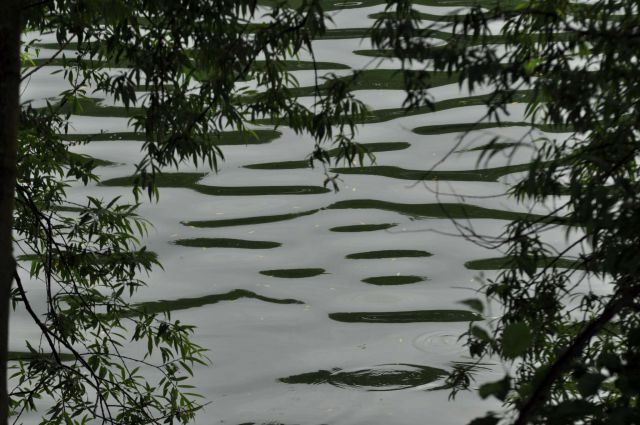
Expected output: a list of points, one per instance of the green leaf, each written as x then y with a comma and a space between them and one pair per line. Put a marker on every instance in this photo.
480, 333
589, 383
610, 361
487, 420
569, 411
498, 389
530, 66
475, 304
516, 339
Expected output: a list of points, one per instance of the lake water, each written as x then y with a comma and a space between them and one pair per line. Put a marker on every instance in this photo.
349, 311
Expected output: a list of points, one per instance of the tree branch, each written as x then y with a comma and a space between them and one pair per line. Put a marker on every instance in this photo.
620, 300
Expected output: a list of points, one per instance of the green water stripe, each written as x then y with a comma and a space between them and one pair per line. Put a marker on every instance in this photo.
289, 65
92, 107
164, 306
499, 263
363, 227
388, 253
465, 127
381, 79
481, 175
365, 80
162, 180
247, 220
226, 243
293, 273
467, 41
393, 280
420, 16
189, 181
282, 165
140, 256
383, 115
259, 190
226, 138
453, 211
290, 165
406, 316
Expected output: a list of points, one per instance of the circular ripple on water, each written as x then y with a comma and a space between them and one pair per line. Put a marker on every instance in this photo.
440, 342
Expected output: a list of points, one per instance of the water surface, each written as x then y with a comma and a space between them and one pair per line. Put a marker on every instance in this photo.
322, 307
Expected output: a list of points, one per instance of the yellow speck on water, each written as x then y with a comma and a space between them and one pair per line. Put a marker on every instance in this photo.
393, 259
251, 231
333, 289
266, 285
353, 190
192, 227
175, 235
400, 340
316, 225
219, 213
204, 248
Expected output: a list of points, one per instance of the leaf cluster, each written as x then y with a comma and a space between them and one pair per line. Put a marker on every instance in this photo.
572, 349
186, 72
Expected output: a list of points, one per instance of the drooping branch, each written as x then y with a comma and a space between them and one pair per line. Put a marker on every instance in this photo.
622, 299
